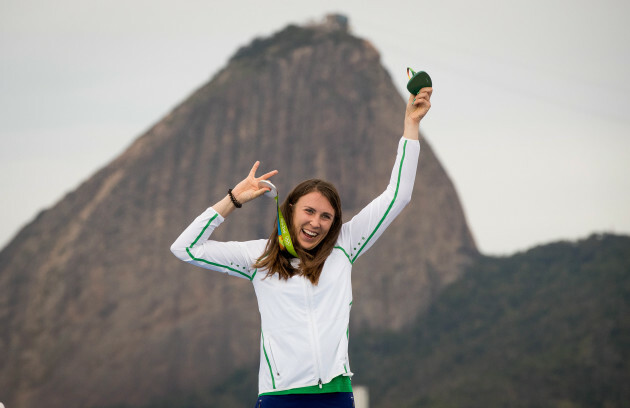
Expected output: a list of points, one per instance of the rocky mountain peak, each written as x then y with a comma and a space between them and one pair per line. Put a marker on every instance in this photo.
94, 309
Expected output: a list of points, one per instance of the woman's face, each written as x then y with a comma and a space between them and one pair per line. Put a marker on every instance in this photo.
313, 215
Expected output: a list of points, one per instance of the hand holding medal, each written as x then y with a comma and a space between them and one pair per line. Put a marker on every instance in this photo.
420, 87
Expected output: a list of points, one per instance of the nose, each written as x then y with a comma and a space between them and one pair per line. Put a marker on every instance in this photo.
315, 221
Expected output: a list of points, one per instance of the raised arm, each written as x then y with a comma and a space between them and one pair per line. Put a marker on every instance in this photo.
234, 258
360, 233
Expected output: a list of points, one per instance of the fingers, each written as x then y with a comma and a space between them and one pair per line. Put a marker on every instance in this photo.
418, 106
258, 193
423, 96
268, 175
248, 189
252, 172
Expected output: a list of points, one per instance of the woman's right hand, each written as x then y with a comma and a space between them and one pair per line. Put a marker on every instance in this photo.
248, 189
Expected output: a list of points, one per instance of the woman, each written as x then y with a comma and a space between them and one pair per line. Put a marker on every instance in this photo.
303, 286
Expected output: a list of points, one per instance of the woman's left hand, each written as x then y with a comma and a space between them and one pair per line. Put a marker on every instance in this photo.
418, 106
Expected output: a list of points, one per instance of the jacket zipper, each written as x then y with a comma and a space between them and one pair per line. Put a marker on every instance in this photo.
274, 360
273, 381
309, 299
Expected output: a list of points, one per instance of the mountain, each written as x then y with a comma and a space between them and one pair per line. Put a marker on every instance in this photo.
549, 327
94, 309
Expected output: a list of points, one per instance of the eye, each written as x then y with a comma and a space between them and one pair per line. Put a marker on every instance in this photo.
327, 216
309, 211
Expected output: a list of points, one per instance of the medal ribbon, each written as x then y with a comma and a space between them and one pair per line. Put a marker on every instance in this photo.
284, 238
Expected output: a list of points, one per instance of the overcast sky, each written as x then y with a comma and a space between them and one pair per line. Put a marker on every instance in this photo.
529, 112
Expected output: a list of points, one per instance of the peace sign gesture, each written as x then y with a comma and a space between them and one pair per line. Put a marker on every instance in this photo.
248, 189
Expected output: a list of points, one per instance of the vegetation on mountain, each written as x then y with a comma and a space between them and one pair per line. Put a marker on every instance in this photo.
549, 327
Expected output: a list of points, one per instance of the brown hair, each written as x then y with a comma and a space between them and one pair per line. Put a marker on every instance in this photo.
312, 261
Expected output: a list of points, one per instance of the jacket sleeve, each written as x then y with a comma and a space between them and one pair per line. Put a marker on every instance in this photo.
360, 233
233, 258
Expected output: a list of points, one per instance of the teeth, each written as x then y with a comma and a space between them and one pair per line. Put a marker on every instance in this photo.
309, 233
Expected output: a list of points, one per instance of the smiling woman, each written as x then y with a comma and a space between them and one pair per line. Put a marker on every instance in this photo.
304, 289
312, 218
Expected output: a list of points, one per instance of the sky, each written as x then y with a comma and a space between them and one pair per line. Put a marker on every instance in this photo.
528, 113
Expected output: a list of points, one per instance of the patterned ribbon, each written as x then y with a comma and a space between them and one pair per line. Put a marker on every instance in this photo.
284, 237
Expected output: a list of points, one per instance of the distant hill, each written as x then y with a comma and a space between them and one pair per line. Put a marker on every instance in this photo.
549, 327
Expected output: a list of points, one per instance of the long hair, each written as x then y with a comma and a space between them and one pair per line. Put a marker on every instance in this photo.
312, 261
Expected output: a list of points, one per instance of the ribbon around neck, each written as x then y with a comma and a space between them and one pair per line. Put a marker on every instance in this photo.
284, 237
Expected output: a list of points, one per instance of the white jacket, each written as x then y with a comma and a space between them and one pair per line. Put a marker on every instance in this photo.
304, 337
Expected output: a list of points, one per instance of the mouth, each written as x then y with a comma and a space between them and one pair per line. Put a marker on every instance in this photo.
310, 234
